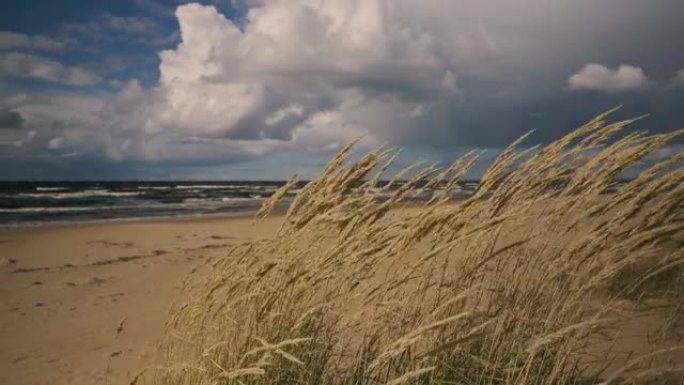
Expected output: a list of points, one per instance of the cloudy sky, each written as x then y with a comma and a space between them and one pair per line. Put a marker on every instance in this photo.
261, 89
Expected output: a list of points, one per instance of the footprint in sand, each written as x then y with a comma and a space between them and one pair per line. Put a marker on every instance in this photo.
97, 281
6, 262
19, 359
220, 237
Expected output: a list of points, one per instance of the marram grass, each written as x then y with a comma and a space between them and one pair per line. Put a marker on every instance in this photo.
528, 281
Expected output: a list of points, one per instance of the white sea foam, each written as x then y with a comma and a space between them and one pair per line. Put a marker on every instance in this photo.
159, 188
82, 194
52, 188
202, 187
226, 199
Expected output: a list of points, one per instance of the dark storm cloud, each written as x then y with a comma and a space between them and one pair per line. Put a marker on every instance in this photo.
10, 120
496, 123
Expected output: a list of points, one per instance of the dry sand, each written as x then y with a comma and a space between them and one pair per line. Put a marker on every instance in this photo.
64, 291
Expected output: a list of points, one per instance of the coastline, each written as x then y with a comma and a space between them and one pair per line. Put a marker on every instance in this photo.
28, 226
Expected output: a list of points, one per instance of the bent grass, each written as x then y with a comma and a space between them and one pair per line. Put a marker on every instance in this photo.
516, 284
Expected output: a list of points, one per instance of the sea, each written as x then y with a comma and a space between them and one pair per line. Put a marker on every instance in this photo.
31, 204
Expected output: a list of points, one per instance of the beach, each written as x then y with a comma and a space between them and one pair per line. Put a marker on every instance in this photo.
86, 304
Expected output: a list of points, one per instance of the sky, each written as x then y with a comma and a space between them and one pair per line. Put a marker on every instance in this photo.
263, 89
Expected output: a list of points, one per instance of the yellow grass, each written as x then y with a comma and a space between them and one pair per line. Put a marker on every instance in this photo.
514, 285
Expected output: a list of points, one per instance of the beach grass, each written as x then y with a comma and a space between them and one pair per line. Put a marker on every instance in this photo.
531, 280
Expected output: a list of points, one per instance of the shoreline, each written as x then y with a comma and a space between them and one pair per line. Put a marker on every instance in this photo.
278, 212
28, 226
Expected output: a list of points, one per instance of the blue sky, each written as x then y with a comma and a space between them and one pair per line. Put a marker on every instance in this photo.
261, 89
119, 38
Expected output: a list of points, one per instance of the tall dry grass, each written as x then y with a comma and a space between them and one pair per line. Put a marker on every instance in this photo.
528, 281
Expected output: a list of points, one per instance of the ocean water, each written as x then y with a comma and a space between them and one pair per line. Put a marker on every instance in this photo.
42, 203
28, 204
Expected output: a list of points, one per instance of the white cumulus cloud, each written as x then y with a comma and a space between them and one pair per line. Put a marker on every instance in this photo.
596, 77
354, 65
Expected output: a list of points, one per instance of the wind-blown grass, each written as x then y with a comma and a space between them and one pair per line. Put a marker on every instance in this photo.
517, 284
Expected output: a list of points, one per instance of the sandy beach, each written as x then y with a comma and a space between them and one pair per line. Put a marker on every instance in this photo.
87, 304
64, 292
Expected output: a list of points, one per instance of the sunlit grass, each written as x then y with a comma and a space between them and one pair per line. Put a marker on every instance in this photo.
518, 284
